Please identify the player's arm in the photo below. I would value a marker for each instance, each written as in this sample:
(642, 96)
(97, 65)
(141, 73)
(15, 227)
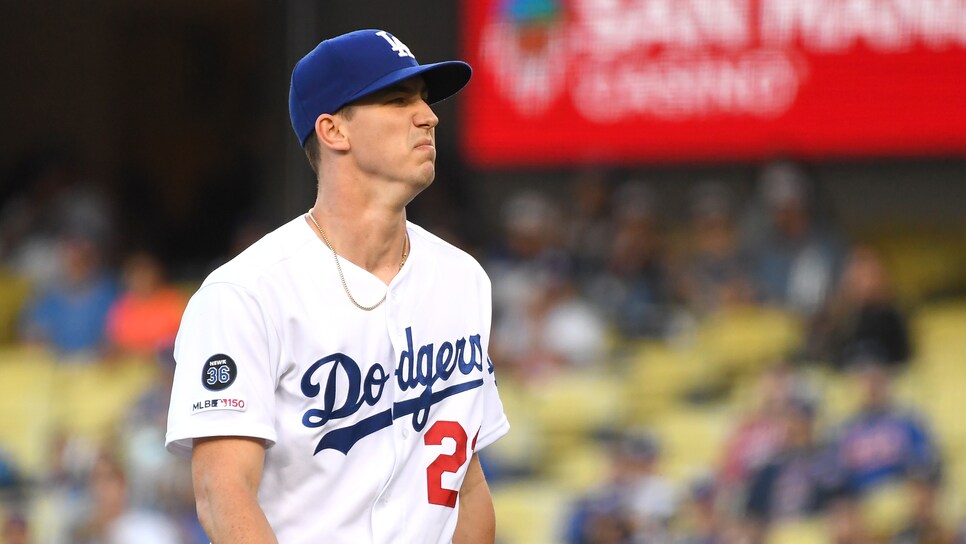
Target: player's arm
(226, 472)
(477, 521)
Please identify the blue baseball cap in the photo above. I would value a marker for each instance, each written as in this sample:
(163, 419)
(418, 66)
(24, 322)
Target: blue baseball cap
(346, 68)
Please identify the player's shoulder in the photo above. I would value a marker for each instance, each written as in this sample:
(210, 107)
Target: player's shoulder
(444, 252)
(259, 260)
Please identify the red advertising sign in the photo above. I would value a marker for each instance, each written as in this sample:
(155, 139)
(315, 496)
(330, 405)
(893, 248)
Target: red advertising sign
(632, 81)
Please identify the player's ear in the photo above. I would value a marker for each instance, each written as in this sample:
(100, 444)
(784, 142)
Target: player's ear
(330, 130)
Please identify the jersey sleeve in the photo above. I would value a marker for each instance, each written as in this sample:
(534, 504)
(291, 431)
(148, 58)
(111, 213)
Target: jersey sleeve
(495, 422)
(225, 374)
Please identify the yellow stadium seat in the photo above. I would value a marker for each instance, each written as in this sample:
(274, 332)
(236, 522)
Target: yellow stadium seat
(939, 332)
(530, 512)
(571, 405)
(658, 377)
(945, 410)
(922, 263)
(14, 292)
(953, 501)
(691, 440)
(523, 446)
(887, 508)
(28, 406)
(580, 468)
(95, 397)
(806, 531)
(841, 397)
(746, 339)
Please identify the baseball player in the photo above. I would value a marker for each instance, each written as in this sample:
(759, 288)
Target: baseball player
(332, 380)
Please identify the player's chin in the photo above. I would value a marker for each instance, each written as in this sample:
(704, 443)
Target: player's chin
(425, 174)
(423, 183)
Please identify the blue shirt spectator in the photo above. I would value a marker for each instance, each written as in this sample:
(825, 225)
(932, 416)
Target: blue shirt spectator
(882, 442)
(72, 321)
(70, 317)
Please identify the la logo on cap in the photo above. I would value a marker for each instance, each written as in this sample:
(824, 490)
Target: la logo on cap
(396, 44)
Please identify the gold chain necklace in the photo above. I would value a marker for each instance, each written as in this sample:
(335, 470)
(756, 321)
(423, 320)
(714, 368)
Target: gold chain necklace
(338, 266)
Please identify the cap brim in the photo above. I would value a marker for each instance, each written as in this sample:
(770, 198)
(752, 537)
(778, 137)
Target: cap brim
(443, 80)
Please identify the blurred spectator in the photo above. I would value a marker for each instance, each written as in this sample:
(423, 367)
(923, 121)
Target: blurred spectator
(714, 272)
(924, 525)
(144, 320)
(70, 317)
(862, 315)
(599, 520)
(163, 482)
(846, 524)
(702, 521)
(635, 505)
(758, 435)
(793, 485)
(590, 224)
(632, 289)
(9, 477)
(243, 235)
(882, 442)
(15, 530)
(555, 331)
(55, 200)
(797, 257)
(111, 519)
(541, 323)
(530, 252)
(65, 486)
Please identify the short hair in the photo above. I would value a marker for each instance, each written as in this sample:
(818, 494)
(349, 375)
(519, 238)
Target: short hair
(313, 151)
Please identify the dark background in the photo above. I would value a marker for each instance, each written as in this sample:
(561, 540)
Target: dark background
(178, 110)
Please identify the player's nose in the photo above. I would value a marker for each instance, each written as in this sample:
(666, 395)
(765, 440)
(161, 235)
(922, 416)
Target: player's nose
(424, 116)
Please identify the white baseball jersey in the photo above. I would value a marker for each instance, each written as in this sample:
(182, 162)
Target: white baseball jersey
(370, 418)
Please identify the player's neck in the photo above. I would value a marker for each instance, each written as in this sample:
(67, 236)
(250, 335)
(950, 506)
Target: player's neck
(373, 238)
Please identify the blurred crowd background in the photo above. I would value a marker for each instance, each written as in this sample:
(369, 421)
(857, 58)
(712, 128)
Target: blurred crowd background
(694, 352)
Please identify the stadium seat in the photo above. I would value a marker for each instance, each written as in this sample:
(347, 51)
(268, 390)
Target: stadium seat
(28, 404)
(921, 264)
(886, 509)
(953, 502)
(530, 512)
(840, 397)
(743, 340)
(94, 398)
(571, 406)
(14, 292)
(691, 440)
(521, 449)
(580, 468)
(946, 415)
(658, 377)
(806, 531)
(938, 331)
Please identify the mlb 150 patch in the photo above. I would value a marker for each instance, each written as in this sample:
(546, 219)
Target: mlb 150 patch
(218, 372)
(218, 404)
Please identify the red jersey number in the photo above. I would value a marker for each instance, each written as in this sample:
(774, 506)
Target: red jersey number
(447, 462)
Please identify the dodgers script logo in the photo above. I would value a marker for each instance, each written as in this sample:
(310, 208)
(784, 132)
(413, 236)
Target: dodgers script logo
(421, 367)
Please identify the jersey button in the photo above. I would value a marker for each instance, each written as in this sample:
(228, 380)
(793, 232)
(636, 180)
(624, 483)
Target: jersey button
(405, 433)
